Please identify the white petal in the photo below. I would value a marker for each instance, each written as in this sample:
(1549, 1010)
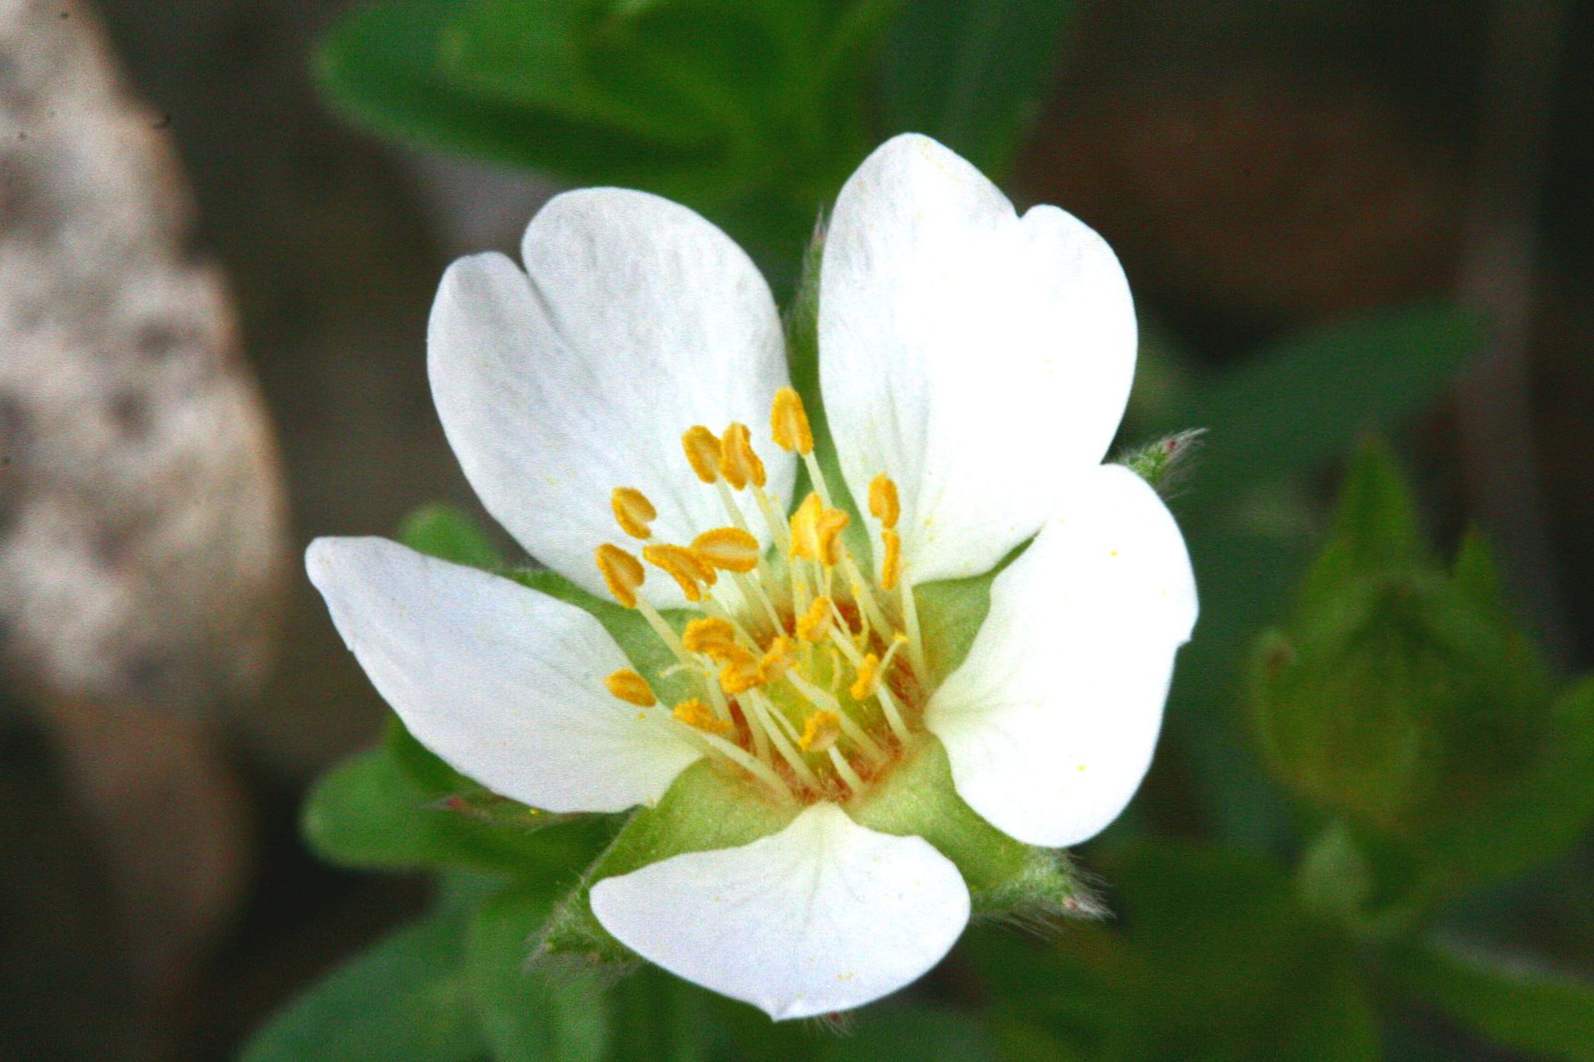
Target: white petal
(504, 683)
(1051, 720)
(638, 320)
(975, 356)
(823, 916)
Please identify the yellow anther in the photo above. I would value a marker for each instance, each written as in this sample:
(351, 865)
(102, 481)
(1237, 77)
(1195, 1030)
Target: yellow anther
(868, 674)
(681, 565)
(694, 713)
(740, 673)
(622, 573)
(891, 565)
(776, 659)
(805, 527)
(709, 636)
(789, 422)
(814, 625)
(884, 504)
(740, 463)
(729, 548)
(633, 512)
(820, 731)
(631, 687)
(831, 523)
(816, 531)
(703, 451)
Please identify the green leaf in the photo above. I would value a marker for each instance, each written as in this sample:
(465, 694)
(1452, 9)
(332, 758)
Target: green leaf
(1521, 1008)
(370, 812)
(1298, 404)
(406, 997)
(527, 1013)
(448, 533)
(972, 73)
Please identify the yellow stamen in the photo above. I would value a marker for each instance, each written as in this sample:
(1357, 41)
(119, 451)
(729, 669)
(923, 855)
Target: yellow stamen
(738, 460)
(820, 732)
(805, 527)
(695, 714)
(868, 674)
(729, 548)
(831, 523)
(884, 504)
(891, 566)
(679, 564)
(622, 573)
(631, 688)
(633, 512)
(708, 636)
(703, 452)
(816, 530)
(789, 422)
(777, 659)
(812, 625)
(740, 673)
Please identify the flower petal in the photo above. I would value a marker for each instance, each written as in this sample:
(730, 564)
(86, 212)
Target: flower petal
(1051, 720)
(504, 683)
(973, 355)
(823, 916)
(638, 320)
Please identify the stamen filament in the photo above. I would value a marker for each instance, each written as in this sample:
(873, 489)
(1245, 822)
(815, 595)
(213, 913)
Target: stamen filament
(757, 768)
(844, 770)
(762, 708)
(910, 620)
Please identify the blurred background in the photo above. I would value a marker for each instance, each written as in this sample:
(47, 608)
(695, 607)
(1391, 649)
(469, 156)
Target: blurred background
(221, 226)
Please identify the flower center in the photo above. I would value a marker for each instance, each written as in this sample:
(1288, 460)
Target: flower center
(808, 673)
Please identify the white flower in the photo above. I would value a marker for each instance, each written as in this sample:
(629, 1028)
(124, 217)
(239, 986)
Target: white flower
(974, 365)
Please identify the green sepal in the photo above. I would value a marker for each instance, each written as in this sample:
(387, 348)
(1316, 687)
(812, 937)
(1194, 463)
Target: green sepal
(707, 807)
(1005, 878)
(448, 533)
(371, 812)
(1166, 462)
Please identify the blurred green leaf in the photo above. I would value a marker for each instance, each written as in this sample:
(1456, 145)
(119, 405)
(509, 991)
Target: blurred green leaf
(406, 997)
(530, 1014)
(1375, 528)
(1538, 817)
(1525, 1009)
(448, 533)
(659, 1016)
(1297, 404)
(911, 1034)
(382, 65)
(1216, 960)
(1392, 696)
(972, 73)
(749, 112)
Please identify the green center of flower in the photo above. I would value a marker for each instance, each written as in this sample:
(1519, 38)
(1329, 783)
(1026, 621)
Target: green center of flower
(809, 673)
